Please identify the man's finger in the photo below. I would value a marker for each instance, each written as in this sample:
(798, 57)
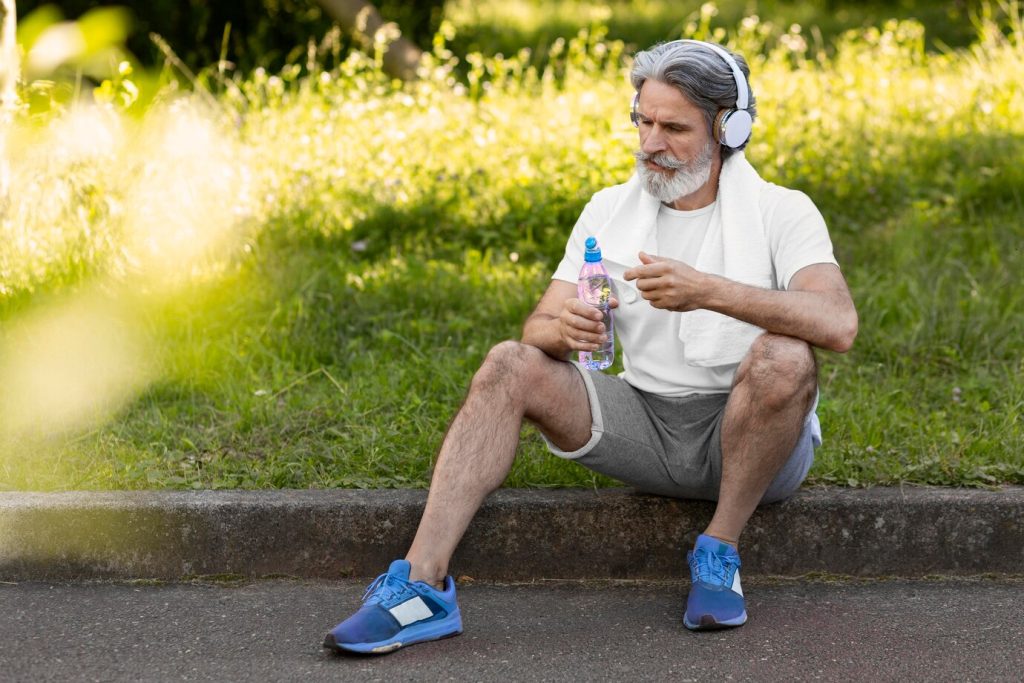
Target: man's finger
(636, 273)
(648, 259)
(587, 324)
(577, 307)
(587, 336)
(589, 312)
(646, 284)
(648, 270)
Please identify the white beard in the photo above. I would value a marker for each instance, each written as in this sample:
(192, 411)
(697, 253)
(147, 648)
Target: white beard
(686, 177)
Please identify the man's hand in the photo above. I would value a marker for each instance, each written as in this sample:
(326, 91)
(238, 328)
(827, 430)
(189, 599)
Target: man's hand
(668, 284)
(580, 325)
(562, 324)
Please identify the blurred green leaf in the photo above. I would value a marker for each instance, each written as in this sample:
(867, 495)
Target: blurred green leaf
(32, 25)
(104, 27)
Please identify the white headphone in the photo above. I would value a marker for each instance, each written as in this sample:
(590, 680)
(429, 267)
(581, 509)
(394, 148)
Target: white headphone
(731, 127)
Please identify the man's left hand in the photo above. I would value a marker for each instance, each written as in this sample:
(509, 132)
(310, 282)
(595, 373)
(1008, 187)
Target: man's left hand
(668, 284)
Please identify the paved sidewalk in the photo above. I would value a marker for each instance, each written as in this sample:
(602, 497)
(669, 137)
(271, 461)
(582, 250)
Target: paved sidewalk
(518, 534)
(969, 630)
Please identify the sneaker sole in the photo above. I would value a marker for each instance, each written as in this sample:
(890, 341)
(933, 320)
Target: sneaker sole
(374, 649)
(420, 634)
(709, 623)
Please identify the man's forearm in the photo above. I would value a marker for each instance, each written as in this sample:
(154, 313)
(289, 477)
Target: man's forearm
(826, 319)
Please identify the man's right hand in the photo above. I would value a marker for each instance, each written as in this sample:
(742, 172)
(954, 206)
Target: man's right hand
(580, 325)
(562, 324)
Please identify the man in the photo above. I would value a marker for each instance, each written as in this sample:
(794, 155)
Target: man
(724, 284)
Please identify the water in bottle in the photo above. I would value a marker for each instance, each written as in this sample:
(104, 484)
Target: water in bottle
(595, 288)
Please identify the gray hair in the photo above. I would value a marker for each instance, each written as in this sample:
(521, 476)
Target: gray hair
(700, 74)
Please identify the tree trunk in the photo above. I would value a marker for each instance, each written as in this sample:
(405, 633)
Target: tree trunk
(402, 56)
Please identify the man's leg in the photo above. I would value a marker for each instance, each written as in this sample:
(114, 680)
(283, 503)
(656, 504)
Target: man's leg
(514, 382)
(773, 390)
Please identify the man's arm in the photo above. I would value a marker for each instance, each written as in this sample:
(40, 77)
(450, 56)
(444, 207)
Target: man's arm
(561, 323)
(817, 307)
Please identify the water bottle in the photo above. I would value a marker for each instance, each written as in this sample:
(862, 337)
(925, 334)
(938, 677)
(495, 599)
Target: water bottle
(595, 288)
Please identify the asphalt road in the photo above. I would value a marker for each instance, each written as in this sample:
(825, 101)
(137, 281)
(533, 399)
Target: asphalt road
(937, 630)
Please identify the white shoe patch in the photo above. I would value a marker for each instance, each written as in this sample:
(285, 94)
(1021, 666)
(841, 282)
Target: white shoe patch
(411, 611)
(736, 587)
(386, 648)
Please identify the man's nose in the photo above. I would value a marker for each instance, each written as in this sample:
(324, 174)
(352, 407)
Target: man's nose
(653, 142)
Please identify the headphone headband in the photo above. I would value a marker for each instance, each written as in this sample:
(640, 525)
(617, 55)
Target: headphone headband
(742, 92)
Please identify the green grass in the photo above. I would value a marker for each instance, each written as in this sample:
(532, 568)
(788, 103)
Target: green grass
(340, 253)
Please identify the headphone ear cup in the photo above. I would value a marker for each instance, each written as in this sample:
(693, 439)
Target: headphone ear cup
(732, 127)
(632, 111)
(718, 125)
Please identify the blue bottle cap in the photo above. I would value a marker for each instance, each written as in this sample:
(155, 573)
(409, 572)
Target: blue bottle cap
(593, 253)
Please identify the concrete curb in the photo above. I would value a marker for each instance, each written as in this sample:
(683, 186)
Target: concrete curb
(518, 534)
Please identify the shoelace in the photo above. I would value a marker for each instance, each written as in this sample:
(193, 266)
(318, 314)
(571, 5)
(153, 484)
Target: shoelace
(711, 567)
(386, 588)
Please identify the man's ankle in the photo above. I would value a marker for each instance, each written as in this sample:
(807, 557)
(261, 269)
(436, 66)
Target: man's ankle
(724, 538)
(430, 578)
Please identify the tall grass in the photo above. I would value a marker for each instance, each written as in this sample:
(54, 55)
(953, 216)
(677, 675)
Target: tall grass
(331, 259)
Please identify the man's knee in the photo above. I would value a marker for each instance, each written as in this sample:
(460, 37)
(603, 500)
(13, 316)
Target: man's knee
(510, 365)
(781, 369)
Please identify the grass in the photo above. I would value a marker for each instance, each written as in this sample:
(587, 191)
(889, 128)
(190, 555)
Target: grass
(338, 254)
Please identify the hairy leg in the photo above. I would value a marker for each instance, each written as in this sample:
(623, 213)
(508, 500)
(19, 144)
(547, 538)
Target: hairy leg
(515, 381)
(773, 390)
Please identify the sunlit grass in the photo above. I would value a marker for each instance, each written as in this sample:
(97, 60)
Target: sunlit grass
(308, 270)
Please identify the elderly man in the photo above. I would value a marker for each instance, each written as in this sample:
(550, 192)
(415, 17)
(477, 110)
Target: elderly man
(724, 285)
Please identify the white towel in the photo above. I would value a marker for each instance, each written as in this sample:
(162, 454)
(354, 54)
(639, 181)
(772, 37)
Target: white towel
(734, 247)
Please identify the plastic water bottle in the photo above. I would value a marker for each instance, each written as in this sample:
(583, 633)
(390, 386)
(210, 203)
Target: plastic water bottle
(595, 288)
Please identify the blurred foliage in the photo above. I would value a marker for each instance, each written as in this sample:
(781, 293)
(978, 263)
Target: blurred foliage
(59, 53)
(320, 256)
(267, 33)
(273, 33)
(507, 26)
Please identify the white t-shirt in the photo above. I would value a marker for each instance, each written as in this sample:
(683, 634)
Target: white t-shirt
(654, 358)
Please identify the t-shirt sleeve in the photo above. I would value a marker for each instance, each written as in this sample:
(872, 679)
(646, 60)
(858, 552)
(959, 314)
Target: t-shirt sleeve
(569, 268)
(797, 234)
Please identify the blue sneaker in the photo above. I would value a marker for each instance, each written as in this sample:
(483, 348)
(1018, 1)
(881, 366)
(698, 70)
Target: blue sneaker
(398, 612)
(716, 597)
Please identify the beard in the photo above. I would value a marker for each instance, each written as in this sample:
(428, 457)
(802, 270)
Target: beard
(684, 178)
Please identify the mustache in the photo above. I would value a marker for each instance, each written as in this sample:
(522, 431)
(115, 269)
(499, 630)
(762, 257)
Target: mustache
(663, 159)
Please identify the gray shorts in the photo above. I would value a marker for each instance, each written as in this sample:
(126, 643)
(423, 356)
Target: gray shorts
(671, 446)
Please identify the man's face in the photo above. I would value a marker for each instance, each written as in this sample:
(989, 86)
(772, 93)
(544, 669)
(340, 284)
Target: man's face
(676, 149)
